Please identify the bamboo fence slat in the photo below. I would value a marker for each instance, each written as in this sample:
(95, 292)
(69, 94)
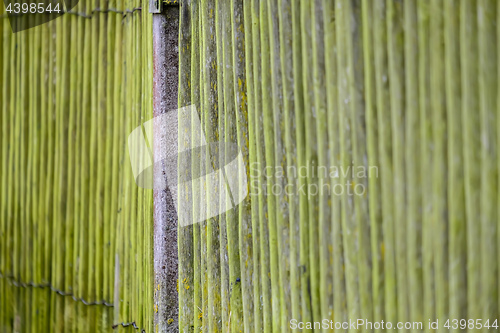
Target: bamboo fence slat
(75, 231)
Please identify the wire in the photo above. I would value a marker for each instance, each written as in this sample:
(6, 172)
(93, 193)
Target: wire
(128, 324)
(22, 284)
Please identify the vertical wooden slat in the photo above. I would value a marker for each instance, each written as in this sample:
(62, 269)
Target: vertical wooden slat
(269, 138)
(345, 100)
(373, 161)
(254, 278)
(385, 154)
(195, 100)
(311, 158)
(185, 233)
(439, 218)
(5, 94)
(210, 111)
(264, 265)
(289, 185)
(242, 128)
(471, 140)
(221, 38)
(488, 85)
(360, 170)
(331, 12)
(69, 237)
(280, 166)
(324, 190)
(456, 201)
(413, 148)
(395, 49)
(425, 115)
(252, 42)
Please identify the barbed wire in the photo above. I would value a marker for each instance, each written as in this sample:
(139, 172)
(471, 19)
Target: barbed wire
(133, 324)
(18, 283)
(21, 284)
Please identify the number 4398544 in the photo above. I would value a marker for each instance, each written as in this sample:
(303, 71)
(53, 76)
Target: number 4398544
(470, 324)
(40, 7)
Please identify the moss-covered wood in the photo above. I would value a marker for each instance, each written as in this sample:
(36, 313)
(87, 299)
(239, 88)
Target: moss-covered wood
(75, 228)
(398, 97)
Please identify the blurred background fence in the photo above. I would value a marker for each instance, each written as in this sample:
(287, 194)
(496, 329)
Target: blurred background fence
(76, 231)
(407, 90)
(369, 131)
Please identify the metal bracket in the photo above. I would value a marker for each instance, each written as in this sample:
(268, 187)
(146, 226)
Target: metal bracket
(156, 6)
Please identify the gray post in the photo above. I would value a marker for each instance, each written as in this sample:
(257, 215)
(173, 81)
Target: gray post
(165, 82)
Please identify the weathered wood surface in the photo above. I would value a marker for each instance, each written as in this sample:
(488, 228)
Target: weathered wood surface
(406, 90)
(72, 218)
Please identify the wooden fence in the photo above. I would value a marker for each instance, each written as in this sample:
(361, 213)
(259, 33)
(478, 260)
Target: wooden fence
(75, 230)
(407, 90)
(368, 130)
